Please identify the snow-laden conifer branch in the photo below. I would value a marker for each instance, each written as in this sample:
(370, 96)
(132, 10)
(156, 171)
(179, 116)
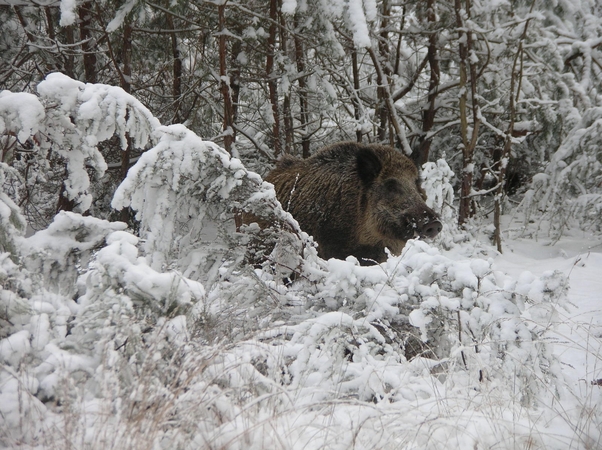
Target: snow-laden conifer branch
(186, 193)
(78, 117)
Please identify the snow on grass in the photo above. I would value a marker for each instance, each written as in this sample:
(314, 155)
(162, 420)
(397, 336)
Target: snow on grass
(333, 377)
(578, 333)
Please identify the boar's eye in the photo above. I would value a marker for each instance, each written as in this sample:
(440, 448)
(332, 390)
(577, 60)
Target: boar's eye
(392, 185)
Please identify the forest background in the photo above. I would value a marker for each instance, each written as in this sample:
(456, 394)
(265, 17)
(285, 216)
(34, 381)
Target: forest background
(507, 92)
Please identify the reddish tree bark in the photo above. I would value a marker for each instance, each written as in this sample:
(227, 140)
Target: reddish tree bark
(303, 101)
(228, 123)
(176, 89)
(88, 46)
(271, 76)
(467, 67)
(428, 115)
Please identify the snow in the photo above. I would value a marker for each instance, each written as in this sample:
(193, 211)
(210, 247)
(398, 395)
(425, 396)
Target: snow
(186, 335)
(307, 382)
(11, 219)
(20, 113)
(356, 13)
(14, 347)
(79, 116)
(289, 6)
(579, 332)
(122, 12)
(68, 15)
(357, 18)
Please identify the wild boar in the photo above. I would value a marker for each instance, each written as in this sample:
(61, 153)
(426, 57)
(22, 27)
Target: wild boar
(355, 199)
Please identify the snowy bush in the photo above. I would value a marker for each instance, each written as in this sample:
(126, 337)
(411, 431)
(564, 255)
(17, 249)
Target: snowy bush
(21, 115)
(58, 134)
(186, 193)
(79, 116)
(436, 178)
(569, 191)
(60, 252)
(12, 222)
(55, 349)
(143, 357)
(460, 313)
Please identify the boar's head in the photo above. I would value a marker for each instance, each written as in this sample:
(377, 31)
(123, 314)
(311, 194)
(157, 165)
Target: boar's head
(392, 202)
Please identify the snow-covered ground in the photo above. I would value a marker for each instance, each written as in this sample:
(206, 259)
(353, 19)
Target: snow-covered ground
(579, 257)
(290, 387)
(579, 330)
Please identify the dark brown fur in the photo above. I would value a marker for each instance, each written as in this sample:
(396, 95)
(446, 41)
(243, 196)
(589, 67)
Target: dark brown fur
(355, 199)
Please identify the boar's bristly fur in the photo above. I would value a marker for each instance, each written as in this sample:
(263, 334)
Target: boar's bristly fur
(355, 199)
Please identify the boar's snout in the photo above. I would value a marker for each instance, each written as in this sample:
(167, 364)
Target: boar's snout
(431, 229)
(425, 222)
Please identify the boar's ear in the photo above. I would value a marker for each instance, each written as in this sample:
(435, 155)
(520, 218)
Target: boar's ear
(368, 165)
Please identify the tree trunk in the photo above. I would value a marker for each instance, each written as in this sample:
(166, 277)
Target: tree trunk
(355, 98)
(69, 64)
(235, 82)
(63, 203)
(303, 102)
(468, 142)
(515, 83)
(176, 89)
(228, 128)
(271, 76)
(286, 106)
(126, 84)
(88, 46)
(428, 115)
(400, 135)
(383, 88)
